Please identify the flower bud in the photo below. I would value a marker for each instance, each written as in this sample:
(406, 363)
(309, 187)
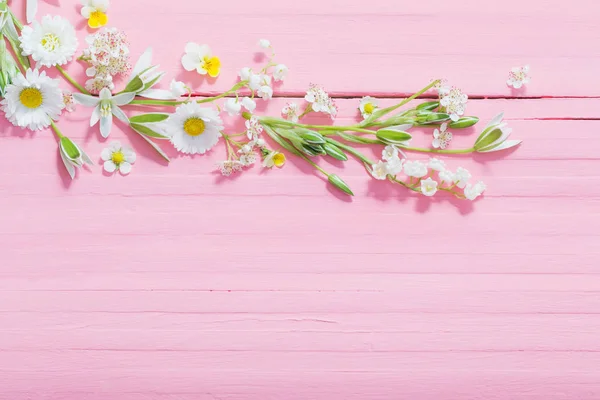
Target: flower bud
(394, 135)
(72, 155)
(464, 122)
(310, 136)
(428, 117)
(340, 184)
(334, 151)
(494, 137)
(8, 67)
(429, 106)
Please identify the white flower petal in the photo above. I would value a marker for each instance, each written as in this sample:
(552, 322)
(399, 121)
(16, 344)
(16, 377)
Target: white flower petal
(110, 166)
(125, 168)
(106, 125)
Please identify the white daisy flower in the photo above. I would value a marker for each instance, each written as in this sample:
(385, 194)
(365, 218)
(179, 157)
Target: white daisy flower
(51, 42)
(233, 106)
(106, 105)
(441, 137)
(518, 76)
(199, 57)
(264, 43)
(193, 129)
(117, 157)
(291, 112)
(429, 187)
(95, 12)
(367, 106)
(33, 101)
(280, 72)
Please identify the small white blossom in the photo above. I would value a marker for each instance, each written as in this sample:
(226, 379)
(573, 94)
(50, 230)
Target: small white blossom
(472, 192)
(389, 153)
(441, 137)
(429, 187)
(454, 101)
(254, 128)
(320, 101)
(395, 166)
(228, 167)
(437, 165)
(68, 101)
(291, 112)
(117, 157)
(415, 169)
(248, 159)
(178, 88)
(245, 74)
(462, 177)
(280, 72)
(380, 170)
(367, 106)
(518, 76)
(249, 104)
(265, 92)
(446, 176)
(233, 106)
(264, 43)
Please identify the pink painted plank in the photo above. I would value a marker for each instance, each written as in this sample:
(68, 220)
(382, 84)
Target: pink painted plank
(384, 46)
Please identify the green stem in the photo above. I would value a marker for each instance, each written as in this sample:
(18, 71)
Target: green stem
(56, 130)
(351, 150)
(174, 103)
(408, 100)
(398, 181)
(71, 80)
(439, 151)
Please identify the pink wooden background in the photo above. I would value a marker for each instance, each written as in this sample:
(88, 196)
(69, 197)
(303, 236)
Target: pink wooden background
(174, 283)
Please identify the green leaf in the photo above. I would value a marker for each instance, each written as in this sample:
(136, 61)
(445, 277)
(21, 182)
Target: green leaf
(134, 86)
(144, 130)
(430, 105)
(486, 140)
(148, 118)
(464, 122)
(358, 139)
(156, 148)
(69, 148)
(152, 82)
(340, 184)
(393, 136)
(335, 152)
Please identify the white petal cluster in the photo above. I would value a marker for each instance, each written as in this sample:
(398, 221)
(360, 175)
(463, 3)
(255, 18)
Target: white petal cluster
(441, 137)
(291, 112)
(108, 56)
(118, 158)
(320, 101)
(390, 164)
(518, 77)
(454, 101)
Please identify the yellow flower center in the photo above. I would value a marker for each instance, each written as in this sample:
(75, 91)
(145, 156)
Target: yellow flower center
(369, 108)
(194, 126)
(50, 42)
(279, 160)
(118, 157)
(31, 98)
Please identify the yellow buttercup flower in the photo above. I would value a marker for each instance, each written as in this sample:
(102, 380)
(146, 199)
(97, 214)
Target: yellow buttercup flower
(95, 12)
(274, 159)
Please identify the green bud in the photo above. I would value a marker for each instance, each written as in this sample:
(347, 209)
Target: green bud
(135, 85)
(464, 122)
(247, 115)
(340, 184)
(428, 117)
(489, 138)
(495, 137)
(69, 148)
(313, 149)
(394, 135)
(335, 152)
(429, 106)
(8, 67)
(310, 136)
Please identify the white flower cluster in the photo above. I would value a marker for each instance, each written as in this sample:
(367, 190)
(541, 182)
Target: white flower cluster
(320, 101)
(454, 101)
(518, 77)
(247, 152)
(391, 165)
(108, 54)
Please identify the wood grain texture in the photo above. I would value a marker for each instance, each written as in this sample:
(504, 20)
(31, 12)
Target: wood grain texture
(174, 283)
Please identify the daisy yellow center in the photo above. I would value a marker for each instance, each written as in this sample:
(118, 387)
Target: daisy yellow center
(50, 42)
(194, 127)
(118, 157)
(369, 108)
(31, 98)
